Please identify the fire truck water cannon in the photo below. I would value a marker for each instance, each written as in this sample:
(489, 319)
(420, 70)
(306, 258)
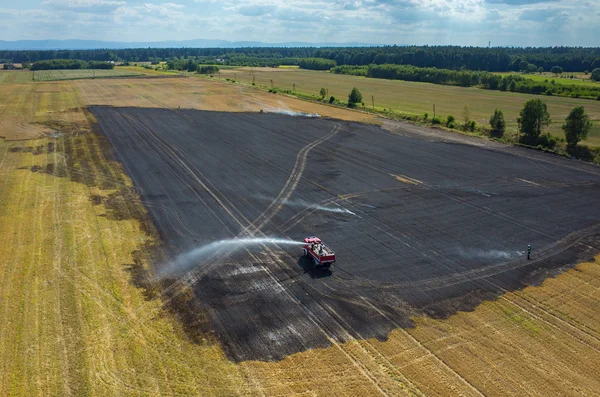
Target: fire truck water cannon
(318, 252)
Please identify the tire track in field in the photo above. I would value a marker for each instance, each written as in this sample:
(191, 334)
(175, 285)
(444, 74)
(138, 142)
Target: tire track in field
(288, 189)
(290, 185)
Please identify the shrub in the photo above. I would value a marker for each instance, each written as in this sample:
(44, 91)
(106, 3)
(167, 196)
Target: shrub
(354, 97)
(450, 119)
(497, 123)
(547, 140)
(425, 115)
(548, 92)
(471, 125)
(451, 124)
(331, 99)
(436, 120)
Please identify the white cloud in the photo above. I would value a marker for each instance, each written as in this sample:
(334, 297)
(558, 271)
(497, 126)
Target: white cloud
(463, 22)
(70, 4)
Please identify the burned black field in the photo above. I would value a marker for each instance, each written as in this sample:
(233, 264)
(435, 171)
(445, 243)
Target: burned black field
(420, 224)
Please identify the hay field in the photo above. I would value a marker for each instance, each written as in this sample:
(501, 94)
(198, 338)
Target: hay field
(51, 75)
(15, 76)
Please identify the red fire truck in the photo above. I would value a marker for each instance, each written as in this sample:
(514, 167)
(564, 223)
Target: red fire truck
(319, 253)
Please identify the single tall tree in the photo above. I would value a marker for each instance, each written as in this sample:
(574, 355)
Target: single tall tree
(466, 115)
(576, 127)
(497, 123)
(595, 74)
(533, 118)
(556, 70)
(354, 97)
(323, 92)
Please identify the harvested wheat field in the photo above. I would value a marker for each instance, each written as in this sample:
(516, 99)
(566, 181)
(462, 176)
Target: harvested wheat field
(108, 181)
(195, 93)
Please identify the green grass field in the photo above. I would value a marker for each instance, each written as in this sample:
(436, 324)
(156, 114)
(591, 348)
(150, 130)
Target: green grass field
(15, 76)
(580, 80)
(52, 75)
(418, 98)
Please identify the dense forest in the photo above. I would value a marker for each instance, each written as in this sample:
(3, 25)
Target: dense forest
(495, 59)
(466, 78)
(316, 63)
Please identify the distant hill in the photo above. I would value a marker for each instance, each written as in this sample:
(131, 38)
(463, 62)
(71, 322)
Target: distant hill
(197, 43)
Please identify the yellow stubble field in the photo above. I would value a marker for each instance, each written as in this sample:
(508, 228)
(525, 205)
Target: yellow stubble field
(75, 323)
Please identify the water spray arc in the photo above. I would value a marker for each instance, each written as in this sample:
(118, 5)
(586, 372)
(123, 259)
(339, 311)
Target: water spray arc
(298, 203)
(200, 255)
(291, 113)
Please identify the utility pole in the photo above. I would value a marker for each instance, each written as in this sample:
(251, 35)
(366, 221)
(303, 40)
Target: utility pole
(373, 101)
(235, 76)
(294, 88)
(434, 110)
(271, 83)
(253, 79)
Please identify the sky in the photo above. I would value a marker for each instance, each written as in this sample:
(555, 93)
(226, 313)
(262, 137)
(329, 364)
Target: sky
(420, 22)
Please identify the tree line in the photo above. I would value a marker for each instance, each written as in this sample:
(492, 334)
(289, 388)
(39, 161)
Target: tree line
(494, 59)
(316, 63)
(466, 78)
(532, 120)
(53, 64)
(191, 66)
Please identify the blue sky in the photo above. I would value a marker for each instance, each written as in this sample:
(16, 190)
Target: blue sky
(461, 22)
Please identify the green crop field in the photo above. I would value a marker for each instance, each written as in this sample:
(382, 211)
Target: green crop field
(15, 76)
(418, 98)
(579, 80)
(51, 75)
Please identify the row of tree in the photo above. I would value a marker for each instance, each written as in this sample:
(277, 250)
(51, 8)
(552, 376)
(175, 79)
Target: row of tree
(191, 66)
(532, 120)
(53, 64)
(534, 117)
(464, 78)
(495, 59)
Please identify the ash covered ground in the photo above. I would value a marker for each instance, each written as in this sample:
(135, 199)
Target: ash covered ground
(420, 224)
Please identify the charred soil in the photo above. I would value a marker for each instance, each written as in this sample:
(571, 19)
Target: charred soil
(420, 225)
